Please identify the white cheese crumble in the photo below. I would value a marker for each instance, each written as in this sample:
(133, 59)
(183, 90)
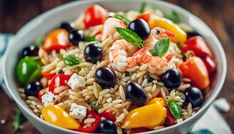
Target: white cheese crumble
(48, 98)
(78, 111)
(76, 81)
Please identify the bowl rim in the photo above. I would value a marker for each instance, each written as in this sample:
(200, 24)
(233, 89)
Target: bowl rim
(76, 3)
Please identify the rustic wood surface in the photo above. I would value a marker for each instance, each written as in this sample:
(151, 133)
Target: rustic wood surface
(218, 14)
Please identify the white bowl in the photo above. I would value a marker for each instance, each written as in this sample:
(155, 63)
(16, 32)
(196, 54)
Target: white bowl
(67, 12)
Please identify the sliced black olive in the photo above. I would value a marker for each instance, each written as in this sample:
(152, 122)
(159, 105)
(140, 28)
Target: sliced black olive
(171, 78)
(194, 96)
(93, 53)
(76, 36)
(135, 93)
(141, 27)
(32, 88)
(105, 77)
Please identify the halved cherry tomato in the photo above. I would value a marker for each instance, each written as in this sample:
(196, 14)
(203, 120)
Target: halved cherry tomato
(48, 75)
(108, 115)
(146, 16)
(170, 119)
(94, 15)
(94, 126)
(56, 40)
(58, 80)
(198, 45)
(210, 64)
(195, 70)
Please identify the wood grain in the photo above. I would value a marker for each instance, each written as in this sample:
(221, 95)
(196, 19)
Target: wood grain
(219, 15)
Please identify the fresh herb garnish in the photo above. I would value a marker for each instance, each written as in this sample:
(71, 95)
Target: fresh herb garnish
(175, 109)
(123, 18)
(71, 60)
(94, 104)
(173, 16)
(130, 36)
(89, 38)
(161, 47)
(38, 41)
(60, 56)
(18, 120)
(142, 8)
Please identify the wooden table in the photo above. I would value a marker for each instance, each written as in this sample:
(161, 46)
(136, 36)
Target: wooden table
(218, 14)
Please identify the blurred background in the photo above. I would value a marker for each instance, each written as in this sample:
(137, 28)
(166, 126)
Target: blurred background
(217, 14)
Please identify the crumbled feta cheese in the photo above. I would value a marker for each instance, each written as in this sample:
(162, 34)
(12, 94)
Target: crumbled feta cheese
(78, 111)
(76, 81)
(48, 98)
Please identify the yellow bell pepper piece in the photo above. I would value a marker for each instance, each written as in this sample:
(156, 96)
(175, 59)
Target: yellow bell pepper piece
(180, 35)
(148, 116)
(59, 117)
(157, 100)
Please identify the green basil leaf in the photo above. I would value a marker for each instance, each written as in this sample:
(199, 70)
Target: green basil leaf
(175, 109)
(130, 36)
(89, 39)
(71, 60)
(123, 18)
(161, 47)
(142, 8)
(173, 16)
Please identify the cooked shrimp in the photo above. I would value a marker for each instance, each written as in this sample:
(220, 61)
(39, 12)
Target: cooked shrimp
(110, 25)
(156, 65)
(120, 53)
(156, 34)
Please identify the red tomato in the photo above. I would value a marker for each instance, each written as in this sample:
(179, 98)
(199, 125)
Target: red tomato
(198, 45)
(145, 16)
(56, 40)
(108, 115)
(169, 57)
(195, 70)
(40, 94)
(94, 126)
(170, 120)
(94, 15)
(58, 80)
(210, 64)
(48, 75)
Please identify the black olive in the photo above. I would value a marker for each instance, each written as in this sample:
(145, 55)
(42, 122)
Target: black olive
(29, 51)
(93, 53)
(192, 33)
(105, 77)
(32, 89)
(171, 78)
(76, 36)
(194, 96)
(135, 93)
(67, 26)
(107, 126)
(141, 27)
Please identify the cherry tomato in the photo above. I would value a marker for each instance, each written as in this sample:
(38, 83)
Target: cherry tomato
(48, 75)
(198, 45)
(58, 80)
(210, 64)
(108, 115)
(40, 94)
(94, 15)
(94, 126)
(146, 16)
(195, 70)
(56, 40)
